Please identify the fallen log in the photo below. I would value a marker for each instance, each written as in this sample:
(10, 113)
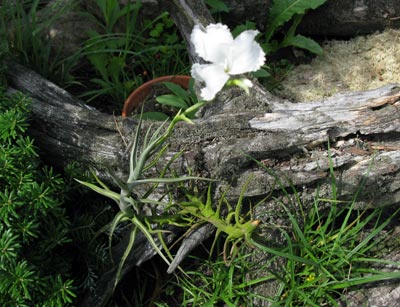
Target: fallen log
(290, 138)
(362, 128)
(359, 131)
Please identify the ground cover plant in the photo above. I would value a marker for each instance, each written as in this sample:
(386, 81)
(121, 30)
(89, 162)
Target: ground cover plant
(33, 222)
(211, 283)
(330, 251)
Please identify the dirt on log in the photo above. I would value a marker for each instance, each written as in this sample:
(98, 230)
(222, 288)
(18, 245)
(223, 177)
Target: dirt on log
(358, 131)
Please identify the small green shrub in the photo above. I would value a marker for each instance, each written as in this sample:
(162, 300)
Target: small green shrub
(33, 222)
(166, 53)
(217, 6)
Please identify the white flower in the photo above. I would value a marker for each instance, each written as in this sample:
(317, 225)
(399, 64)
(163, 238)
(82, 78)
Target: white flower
(227, 56)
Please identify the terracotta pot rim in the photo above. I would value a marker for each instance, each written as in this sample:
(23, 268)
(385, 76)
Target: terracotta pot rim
(139, 95)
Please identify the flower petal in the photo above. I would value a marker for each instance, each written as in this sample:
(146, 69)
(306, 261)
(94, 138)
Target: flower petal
(213, 44)
(213, 76)
(246, 54)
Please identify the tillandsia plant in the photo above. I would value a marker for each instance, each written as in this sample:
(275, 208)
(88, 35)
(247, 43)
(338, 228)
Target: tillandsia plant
(131, 201)
(229, 59)
(236, 228)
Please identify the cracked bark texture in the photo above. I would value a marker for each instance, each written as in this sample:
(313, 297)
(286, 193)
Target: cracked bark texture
(363, 129)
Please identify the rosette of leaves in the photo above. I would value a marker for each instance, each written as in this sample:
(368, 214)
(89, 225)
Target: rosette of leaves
(33, 223)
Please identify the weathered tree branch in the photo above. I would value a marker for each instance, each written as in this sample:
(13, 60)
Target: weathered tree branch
(363, 130)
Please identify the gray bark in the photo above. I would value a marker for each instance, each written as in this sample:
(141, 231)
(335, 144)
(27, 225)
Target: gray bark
(363, 129)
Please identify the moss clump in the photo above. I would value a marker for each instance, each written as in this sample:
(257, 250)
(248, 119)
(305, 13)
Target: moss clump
(363, 63)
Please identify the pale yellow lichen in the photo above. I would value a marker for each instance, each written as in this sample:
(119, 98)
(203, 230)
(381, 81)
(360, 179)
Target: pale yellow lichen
(365, 62)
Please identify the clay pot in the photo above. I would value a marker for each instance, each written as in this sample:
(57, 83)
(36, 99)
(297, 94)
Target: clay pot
(139, 95)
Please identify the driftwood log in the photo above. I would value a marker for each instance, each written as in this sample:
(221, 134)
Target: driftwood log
(359, 130)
